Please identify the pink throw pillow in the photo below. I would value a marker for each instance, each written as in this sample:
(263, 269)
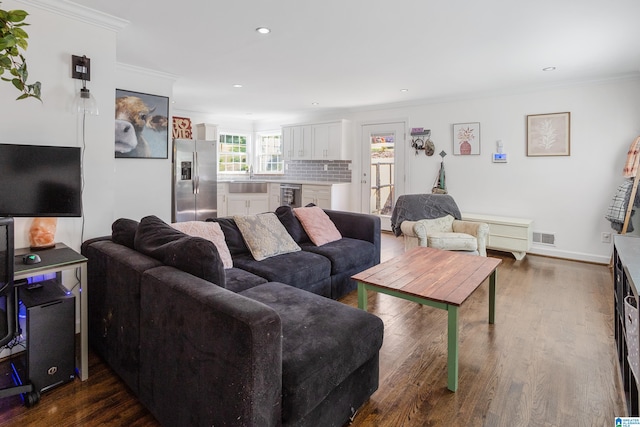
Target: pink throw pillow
(210, 231)
(318, 225)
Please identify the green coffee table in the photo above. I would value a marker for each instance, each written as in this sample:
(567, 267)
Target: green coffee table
(437, 278)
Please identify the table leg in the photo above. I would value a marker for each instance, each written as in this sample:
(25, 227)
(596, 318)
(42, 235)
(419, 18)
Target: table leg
(452, 348)
(492, 296)
(362, 296)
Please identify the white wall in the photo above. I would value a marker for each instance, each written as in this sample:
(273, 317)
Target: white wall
(567, 196)
(53, 38)
(142, 186)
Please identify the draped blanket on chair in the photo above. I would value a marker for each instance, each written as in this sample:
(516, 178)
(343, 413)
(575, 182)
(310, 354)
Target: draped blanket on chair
(414, 207)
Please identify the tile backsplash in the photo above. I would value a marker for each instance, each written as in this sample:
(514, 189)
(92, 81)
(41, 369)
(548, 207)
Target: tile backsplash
(314, 170)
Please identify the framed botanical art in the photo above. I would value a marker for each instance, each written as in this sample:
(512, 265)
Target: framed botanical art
(141, 129)
(466, 139)
(549, 134)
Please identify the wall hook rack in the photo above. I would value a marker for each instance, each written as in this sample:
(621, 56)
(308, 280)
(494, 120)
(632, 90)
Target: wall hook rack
(421, 140)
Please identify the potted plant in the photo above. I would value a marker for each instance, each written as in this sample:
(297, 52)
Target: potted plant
(13, 40)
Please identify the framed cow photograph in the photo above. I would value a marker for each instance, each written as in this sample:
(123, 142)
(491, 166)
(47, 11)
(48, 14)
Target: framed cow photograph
(141, 129)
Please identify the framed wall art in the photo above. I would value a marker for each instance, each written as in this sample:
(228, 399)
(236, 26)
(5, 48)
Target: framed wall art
(141, 129)
(466, 139)
(549, 134)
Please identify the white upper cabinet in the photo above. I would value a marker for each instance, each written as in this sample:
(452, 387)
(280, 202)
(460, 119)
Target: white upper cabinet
(319, 141)
(297, 142)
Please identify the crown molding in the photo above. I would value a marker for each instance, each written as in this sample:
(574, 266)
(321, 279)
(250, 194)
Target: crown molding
(146, 71)
(80, 13)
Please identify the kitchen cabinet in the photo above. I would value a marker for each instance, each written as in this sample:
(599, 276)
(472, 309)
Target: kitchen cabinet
(222, 200)
(331, 196)
(316, 141)
(328, 141)
(247, 204)
(296, 141)
(274, 196)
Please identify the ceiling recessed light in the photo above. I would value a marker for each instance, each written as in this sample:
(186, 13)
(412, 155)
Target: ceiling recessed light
(263, 30)
(237, 85)
(549, 69)
(315, 103)
(404, 90)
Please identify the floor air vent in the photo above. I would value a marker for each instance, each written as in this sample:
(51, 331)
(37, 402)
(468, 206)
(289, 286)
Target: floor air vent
(544, 238)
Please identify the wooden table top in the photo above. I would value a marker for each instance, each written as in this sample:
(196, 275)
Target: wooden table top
(434, 274)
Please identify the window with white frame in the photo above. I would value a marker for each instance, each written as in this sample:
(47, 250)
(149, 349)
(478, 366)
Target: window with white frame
(232, 153)
(269, 156)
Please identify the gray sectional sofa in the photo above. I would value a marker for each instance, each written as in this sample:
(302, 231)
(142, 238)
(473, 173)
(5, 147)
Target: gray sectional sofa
(259, 344)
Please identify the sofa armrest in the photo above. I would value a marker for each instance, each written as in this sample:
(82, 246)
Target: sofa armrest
(479, 230)
(356, 225)
(208, 356)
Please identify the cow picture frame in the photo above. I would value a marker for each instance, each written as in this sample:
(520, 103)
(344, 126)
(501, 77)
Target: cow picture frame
(141, 125)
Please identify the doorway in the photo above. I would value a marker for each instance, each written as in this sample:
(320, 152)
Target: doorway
(383, 169)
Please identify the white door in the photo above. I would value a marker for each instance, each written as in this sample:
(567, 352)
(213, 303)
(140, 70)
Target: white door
(383, 168)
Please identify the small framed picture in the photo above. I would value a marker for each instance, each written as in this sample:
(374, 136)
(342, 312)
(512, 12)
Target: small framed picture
(549, 134)
(466, 139)
(141, 125)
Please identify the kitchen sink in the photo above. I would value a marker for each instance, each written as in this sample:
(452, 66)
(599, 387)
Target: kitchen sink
(247, 187)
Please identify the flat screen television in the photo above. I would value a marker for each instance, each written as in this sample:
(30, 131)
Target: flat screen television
(40, 181)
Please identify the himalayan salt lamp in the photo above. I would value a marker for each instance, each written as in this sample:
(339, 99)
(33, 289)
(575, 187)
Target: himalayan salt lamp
(42, 233)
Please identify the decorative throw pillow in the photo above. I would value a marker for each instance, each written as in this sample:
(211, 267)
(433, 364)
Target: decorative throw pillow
(123, 232)
(210, 231)
(292, 224)
(318, 225)
(193, 255)
(265, 235)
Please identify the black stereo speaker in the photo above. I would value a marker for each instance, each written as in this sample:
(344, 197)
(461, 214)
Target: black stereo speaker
(50, 324)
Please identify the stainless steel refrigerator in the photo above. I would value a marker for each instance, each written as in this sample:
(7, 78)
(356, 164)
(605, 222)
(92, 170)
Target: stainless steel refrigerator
(194, 180)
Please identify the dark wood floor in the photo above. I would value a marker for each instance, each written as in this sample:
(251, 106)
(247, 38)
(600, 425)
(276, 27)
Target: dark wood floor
(549, 360)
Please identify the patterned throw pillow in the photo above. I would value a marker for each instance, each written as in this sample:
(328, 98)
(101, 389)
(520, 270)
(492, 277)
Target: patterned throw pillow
(318, 225)
(210, 231)
(265, 235)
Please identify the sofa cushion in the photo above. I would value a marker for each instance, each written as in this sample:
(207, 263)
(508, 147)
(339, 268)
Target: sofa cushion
(210, 231)
(345, 254)
(237, 280)
(232, 235)
(298, 269)
(318, 225)
(193, 255)
(123, 232)
(323, 342)
(452, 241)
(265, 235)
(292, 224)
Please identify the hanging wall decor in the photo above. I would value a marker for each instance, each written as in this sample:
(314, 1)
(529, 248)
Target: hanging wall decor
(549, 134)
(141, 129)
(466, 139)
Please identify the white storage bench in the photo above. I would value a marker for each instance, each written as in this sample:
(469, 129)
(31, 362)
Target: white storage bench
(506, 234)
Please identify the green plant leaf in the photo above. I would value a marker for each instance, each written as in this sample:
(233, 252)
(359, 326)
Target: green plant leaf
(18, 84)
(7, 41)
(16, 15)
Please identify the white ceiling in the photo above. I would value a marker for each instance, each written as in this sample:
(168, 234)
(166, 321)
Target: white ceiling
(346, 54)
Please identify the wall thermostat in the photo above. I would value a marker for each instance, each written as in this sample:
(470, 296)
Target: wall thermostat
(499, 157)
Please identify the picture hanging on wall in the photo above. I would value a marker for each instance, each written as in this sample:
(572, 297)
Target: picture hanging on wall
(466, 139)
(141, 129)
(548, 134)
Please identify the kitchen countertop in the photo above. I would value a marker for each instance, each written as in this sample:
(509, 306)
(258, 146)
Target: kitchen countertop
(279, 181)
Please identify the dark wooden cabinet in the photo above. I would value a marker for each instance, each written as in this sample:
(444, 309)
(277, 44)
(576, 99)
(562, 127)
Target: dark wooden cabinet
(626, 277)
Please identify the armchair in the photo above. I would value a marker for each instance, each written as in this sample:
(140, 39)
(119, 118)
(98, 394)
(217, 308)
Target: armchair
(434, 220)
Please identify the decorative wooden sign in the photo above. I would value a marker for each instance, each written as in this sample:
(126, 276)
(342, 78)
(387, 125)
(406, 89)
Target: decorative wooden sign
(182, 128)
